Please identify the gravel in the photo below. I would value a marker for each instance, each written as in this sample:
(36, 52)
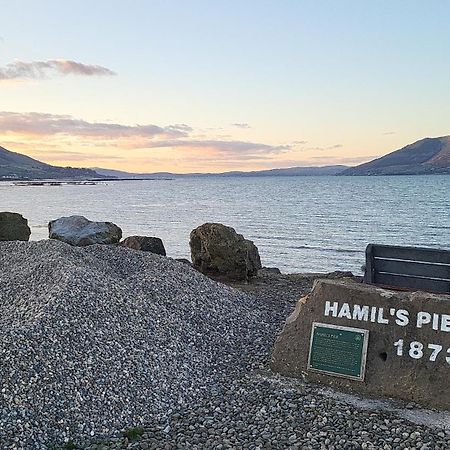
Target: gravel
(258, 412)
(96, 339)
(103, 339)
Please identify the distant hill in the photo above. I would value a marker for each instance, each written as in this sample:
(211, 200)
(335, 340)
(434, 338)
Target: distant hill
(16, 166)
(112, 173)
(427, 156)
(291, 171)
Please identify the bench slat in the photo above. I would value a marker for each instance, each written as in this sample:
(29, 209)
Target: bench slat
(411, 253)
(427, 270)
(415, 268)
(422, 284)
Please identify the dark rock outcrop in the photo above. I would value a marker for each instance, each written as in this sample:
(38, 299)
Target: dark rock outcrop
(145, 244)
(218, 250)
(13, 227)
(79, 231)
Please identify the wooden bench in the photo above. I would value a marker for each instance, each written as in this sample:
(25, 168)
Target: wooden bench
(409, 268)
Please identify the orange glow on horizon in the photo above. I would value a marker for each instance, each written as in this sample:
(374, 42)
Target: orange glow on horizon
(126, 154)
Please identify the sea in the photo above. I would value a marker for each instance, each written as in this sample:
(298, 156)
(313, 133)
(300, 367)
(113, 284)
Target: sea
(299, 224)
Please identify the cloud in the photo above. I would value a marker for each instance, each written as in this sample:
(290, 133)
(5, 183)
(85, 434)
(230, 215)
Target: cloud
(329, 147)
(226, 147)
(35, 125)
(43, 124)
(241, 125)
(73, 156)
(19, 70)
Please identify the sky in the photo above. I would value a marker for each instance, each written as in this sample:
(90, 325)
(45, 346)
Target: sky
(211, 86)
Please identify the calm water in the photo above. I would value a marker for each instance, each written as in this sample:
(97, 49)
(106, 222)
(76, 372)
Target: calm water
(300, 224)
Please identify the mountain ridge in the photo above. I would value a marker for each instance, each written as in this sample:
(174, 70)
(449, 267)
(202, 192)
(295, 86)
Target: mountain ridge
(289, 171)
(16, 166)
(425, 156)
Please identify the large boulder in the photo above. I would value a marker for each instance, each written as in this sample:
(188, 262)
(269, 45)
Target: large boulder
(79, 231)
(408, 352)
(145, 244)
(13, 227)
(218, 250)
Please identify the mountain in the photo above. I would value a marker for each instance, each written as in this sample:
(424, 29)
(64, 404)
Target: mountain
(291, 171)
(427, 156)
(16, 166)
(121, 174)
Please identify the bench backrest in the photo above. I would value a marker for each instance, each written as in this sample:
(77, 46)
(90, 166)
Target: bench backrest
(424, 269)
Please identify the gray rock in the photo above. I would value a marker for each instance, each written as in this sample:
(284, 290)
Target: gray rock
(218, 250)
(145, 244)
(13, 227)
(79, 231)
(339, 274)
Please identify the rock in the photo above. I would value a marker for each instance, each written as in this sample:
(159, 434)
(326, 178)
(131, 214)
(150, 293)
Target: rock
(339, 274)
(145, 244)
(409, 334)
(269, 271)
(218, 250)
(13, 227)
(184, 261)
(79, 231)
(253, 259)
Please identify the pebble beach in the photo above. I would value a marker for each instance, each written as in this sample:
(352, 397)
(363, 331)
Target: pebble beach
(261, 410)
(108, 348)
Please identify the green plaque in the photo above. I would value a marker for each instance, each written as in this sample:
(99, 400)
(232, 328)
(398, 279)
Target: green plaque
(338, 351)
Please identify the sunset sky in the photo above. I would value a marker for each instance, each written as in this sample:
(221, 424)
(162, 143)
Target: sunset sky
(188, 86)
